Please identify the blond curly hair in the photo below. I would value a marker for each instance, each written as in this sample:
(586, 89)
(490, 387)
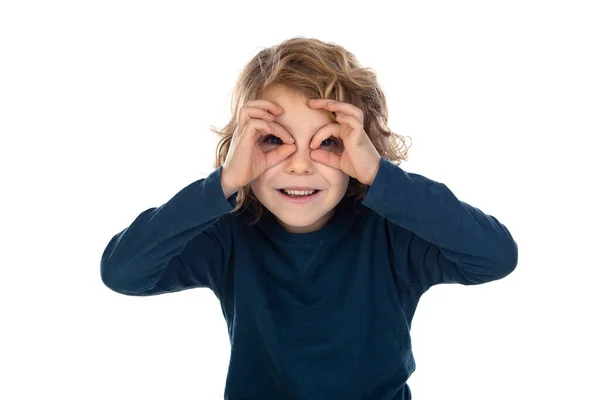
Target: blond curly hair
(315, 69)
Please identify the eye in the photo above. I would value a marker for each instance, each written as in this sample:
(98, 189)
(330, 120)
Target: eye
(333, 145)
(268, 139)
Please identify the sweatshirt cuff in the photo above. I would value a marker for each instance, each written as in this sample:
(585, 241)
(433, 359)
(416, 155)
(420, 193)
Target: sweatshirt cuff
(215, 189)
(377, 190)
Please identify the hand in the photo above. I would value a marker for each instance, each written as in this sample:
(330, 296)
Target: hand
(246, 160)
(360, 159)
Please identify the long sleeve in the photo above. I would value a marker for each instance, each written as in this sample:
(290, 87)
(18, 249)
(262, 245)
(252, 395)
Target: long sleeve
(437, 238)
(176, 246)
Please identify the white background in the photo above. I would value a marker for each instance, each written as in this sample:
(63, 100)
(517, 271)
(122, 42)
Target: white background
(105, 110)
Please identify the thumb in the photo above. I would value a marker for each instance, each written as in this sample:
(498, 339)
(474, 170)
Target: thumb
(324, 157)
(279, 154)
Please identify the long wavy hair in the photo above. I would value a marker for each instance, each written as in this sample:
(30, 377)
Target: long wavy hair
(315, 69)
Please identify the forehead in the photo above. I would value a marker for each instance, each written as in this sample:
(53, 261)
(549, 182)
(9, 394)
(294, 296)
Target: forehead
(279, 93)
(297, 115)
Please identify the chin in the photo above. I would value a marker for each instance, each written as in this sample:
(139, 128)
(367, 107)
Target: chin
(299, 222)
(300, 216)
(306, 222)
(300, 227)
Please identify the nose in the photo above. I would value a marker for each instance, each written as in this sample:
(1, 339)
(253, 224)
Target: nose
(299, 162)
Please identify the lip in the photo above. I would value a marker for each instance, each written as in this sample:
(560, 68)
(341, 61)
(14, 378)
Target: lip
(299, 188)
(300, 200)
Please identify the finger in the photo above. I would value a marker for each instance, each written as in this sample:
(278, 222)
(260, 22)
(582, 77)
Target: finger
(265, 105)
(249, 113)
(258, 109)
(336, 106)
(282, 133)
(350, 120)
(279, 154)
(327, 158)
(331, 129)
(257, 127)
(319, 103)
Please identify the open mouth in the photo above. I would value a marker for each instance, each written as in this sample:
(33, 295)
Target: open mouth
(298, 196)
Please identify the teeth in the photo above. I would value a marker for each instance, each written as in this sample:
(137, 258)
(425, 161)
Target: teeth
(299, 192)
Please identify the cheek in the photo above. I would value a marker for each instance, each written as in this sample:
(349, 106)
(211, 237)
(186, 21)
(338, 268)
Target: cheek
(256, 187)
(335, 177)
(260, 184)
(345, 181)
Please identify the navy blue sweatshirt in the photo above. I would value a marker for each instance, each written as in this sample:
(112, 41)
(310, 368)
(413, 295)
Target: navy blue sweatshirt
(319, 315)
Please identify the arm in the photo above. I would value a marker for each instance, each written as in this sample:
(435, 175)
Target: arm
(176, 246)
(437, 238)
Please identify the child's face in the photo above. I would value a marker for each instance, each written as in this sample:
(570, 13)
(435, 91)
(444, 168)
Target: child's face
(299, 169)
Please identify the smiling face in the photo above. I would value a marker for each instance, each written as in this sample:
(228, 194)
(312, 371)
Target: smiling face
(299, 169)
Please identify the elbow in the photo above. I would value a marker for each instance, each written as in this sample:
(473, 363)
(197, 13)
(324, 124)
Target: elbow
(509, 259)
(113, 278)
(109, 278)
(119, 279)
(110, 267)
